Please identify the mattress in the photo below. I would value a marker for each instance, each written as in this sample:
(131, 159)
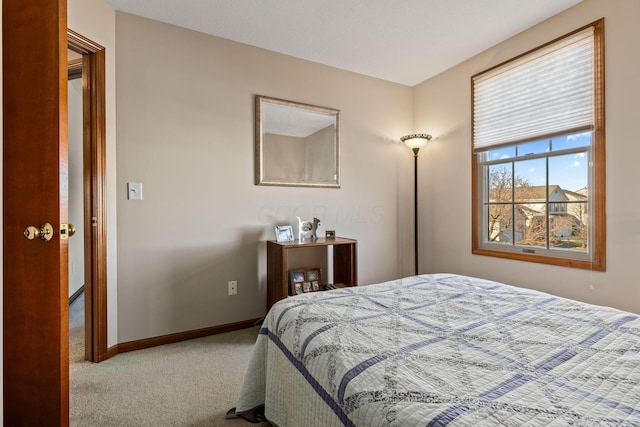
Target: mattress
(444, 350)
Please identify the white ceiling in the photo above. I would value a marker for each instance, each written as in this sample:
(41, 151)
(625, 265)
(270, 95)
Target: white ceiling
(403, 41)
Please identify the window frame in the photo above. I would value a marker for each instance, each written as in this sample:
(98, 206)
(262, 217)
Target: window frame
(597, 185)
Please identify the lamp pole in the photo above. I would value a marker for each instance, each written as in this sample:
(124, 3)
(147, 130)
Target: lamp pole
(415, 207)
(415, 142)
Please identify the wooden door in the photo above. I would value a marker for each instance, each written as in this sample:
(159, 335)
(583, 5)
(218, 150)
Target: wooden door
(35, 300)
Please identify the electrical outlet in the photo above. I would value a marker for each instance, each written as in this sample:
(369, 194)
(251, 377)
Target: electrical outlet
(233, 287)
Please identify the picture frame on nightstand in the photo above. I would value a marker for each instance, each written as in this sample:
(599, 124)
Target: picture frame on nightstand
(284, 233)
(296, 279)
(314, 277)
(297, 289)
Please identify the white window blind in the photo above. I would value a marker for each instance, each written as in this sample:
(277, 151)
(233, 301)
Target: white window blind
(547, 92)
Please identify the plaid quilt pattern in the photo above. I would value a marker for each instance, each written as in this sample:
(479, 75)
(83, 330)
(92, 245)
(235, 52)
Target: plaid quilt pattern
(444, 350)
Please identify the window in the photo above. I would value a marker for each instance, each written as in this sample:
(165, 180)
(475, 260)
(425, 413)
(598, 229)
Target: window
(539, 154)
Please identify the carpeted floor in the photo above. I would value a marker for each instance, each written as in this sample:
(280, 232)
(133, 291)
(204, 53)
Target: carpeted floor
(76, 333)
(191, 383)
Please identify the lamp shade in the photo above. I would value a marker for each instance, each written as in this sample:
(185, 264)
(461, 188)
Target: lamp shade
(417, 140)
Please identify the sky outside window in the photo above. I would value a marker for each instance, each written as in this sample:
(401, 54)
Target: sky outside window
(568, 171)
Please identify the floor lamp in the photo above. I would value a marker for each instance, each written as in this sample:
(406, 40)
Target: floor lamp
(415, 142)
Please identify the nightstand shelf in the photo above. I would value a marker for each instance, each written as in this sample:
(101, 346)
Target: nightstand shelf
(345, 263)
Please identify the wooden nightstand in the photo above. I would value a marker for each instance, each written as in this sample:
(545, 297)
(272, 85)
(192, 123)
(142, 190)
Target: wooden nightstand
(345, 263)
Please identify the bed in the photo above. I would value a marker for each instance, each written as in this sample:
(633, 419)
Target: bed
(443, 350)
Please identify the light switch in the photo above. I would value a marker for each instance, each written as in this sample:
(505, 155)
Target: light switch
(134, 190)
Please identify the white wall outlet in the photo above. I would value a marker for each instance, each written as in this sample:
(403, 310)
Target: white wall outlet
(233, 287)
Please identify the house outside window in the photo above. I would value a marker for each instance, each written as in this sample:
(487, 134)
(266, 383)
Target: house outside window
(538, 154)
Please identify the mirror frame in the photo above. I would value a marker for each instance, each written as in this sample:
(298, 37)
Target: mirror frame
(260, 100)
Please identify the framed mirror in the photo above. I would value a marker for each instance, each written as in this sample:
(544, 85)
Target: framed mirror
(296, 144)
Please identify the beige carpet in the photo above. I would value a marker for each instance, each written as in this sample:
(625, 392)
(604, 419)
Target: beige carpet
(76, 333)
(192, 383)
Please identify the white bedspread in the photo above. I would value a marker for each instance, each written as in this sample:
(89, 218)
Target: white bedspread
(444, 350)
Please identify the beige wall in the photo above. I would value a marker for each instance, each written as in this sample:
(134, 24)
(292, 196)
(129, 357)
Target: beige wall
(283, 157)
(320, 155)
(185, 130)
(76, 181)
(443, 106)
(300, 159)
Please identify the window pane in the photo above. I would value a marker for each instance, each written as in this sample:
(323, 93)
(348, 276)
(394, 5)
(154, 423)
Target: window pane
(501, 153)
(500, 220)
(530, 180)
(571, 141)
(533, 148)
(566, 230)
(500, 183)
(571, 172)
(580, 210)
(531, 225)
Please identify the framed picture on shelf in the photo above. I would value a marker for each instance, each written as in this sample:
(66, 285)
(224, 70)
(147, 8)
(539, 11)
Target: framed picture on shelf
(330, 234)
(297, 276)
(296, 279)
(314, 276)
(284, 233)
(306, 287)
(297, 288)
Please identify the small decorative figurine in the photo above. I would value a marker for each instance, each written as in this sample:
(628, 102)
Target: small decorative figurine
(307, 229)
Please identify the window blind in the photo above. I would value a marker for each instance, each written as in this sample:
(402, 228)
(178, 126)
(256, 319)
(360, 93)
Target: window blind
(547, 92)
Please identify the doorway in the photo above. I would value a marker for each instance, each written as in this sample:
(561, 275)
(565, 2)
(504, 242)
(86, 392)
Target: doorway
(90, 65)
(76, 211)
(35, 268)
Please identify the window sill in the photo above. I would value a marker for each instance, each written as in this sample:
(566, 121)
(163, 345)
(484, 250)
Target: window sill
(595, 265)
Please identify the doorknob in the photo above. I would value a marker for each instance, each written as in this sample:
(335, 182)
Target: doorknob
(31, 232)
(45, 232)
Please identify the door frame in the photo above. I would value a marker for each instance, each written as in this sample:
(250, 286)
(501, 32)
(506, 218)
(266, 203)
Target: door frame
(94, 171)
